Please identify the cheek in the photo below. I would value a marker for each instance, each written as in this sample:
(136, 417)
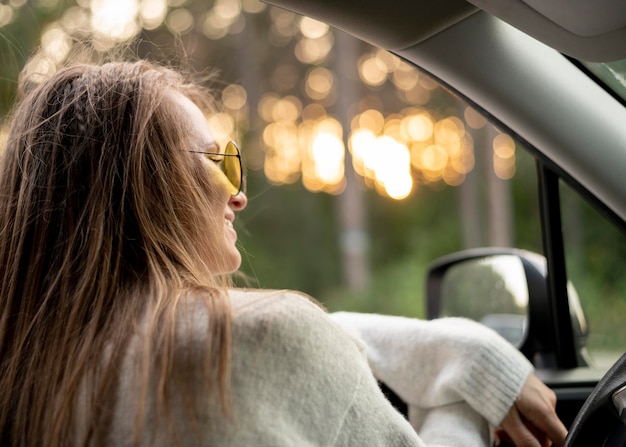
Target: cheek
(218, 179)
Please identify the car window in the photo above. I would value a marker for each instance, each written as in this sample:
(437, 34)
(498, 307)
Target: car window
(494, 202)
(595, 250)
(612, 74)
(355, 184)
(471, 185)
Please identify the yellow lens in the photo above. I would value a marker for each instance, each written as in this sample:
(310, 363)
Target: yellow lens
(232, 166)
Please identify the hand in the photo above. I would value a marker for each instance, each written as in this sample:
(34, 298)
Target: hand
(532, 420)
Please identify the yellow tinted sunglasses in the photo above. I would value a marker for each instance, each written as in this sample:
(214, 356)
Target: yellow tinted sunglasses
(230, 164)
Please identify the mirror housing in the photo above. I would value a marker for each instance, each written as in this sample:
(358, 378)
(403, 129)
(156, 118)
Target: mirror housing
(514, 301)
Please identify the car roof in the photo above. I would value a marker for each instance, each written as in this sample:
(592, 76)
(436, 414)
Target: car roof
(534, 90)
(593, 30)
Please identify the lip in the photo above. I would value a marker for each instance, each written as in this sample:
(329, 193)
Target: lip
(228, 224)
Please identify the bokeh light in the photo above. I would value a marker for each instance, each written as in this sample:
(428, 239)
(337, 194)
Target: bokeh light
(152, 13)
(55, 43)
(234, 97)
(504, 156)
(300, 140)
(312, 29)
(372, 70)
(6, 14)
(114, 20)
(319, 83)
(180, 21)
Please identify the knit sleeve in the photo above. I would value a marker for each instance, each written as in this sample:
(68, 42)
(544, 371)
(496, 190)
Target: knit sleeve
(440, 362)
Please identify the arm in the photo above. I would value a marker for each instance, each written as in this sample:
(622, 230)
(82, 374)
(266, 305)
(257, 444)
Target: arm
(454, 366)
(439, 362)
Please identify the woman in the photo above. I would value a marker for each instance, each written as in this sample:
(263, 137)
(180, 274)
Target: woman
(117, 324)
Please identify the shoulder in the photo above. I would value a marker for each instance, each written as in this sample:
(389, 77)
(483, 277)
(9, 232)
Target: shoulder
(245, 301)
(247, 308)
(267, 319)
(285, 318)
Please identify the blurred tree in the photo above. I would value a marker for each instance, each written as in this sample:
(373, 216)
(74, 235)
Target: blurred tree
(307, 102)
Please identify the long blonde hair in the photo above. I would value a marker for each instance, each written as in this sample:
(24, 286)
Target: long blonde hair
(104, 222)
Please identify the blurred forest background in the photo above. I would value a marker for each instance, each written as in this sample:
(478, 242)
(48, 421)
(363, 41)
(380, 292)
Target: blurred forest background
(361, 169)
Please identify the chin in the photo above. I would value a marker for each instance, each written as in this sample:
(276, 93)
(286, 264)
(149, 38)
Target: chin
(232, 262)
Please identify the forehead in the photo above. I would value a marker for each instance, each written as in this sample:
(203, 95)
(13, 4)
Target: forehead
(192, 116)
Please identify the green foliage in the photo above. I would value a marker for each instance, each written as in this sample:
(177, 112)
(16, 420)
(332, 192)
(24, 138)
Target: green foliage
(397, 289)
(289, 238)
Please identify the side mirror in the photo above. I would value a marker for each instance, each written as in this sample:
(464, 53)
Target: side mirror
(505, 289)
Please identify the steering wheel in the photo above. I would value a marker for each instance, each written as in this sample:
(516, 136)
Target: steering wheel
(601, 421)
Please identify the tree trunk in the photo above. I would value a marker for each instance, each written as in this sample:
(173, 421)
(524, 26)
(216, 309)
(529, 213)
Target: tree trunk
(350, 204)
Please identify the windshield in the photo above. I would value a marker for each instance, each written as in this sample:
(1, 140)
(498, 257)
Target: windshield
(613, 74)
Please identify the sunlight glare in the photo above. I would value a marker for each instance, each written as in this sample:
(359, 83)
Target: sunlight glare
(400, 187)
(328, 154)
(234, 97)
(314, 51)
(152, 13)
(319, 83)
(39, 68)
(56, 43)
(361, 142)
(6, 14)
(253, 6)
(281, 167)
(115, 19)
(76, 19)
(229, 10)
(393, 169)
(504, 146)
(474, 119)
(180, 21)
(504, 167)
(371, 120)
(463, 162)
(418, 127)
(434, 158)
(314, 112)
(287, 109)
(390, 61)
(277, 134)
(222, 126)
(405, 76)
(312, 28)
(266, 106)
(504, 156)
(213, 26)
(372, 70)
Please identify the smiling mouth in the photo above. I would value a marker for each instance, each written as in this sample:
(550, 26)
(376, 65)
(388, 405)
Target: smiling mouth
(228, 223)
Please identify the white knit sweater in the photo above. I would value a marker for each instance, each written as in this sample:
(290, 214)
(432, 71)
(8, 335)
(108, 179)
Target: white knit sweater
(457, 376)
(299, 379)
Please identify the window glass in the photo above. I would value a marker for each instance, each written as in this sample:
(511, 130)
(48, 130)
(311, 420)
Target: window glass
(613, 74)
(595, 250)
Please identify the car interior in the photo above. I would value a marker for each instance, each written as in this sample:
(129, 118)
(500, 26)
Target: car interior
(552, 73)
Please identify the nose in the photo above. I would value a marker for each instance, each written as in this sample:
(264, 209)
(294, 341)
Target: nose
(238, 201)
